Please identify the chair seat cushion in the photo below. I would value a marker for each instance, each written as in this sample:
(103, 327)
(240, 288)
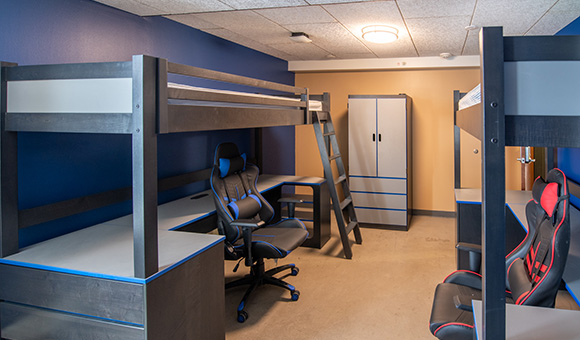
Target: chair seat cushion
(277, 240)
(448, 321)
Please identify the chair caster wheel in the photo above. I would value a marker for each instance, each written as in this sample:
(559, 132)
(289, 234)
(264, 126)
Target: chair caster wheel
(295, 295)
(295, 271)
(242, 316)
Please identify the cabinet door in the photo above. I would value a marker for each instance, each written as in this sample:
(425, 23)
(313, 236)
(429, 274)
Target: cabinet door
(392, 130)
(362, 148)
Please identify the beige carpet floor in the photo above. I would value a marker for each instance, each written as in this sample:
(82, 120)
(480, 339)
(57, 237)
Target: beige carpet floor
(384, 292)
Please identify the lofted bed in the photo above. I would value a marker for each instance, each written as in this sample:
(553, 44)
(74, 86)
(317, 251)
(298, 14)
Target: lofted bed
(146, 270)
(527, 97)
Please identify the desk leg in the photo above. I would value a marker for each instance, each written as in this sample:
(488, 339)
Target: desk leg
(321, 217)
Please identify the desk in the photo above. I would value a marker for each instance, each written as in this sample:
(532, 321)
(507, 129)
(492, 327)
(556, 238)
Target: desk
(319, 233)
(527, 322)
(468, 221)
(81, 286)
(198, 214)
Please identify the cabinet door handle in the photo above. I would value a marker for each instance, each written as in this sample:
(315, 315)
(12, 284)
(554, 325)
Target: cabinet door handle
(373, 137)
(379, 137)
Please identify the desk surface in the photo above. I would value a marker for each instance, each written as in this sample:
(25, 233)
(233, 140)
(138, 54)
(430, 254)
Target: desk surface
(106, 249)
(474, 196)
(527, 322)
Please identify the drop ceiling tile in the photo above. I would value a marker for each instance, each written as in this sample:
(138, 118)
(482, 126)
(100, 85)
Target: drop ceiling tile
(439, 8)
(332, 37)
(393, 50)
(433, 36)
(255, 4)
(558, 17)
(353, 56)
(247, 42)
(366, 13)
(192, 20)
(248, 24)
(186, 6)
(297, 15)
(302, 51)
(472, 43)
(516, 16)
(323, 2)
(131, 6)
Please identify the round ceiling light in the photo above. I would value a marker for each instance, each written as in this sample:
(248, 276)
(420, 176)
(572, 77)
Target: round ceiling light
(380, 34)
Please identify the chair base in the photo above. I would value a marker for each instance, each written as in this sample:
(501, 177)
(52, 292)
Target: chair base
(259, 276)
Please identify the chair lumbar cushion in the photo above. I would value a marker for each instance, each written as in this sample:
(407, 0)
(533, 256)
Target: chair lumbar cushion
(246, 207)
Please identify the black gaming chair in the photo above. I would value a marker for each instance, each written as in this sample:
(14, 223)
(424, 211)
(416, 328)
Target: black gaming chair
(534, 268)
(244, 218)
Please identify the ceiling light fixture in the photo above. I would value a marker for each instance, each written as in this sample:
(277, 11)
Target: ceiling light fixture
(300, 37)
(380, 34)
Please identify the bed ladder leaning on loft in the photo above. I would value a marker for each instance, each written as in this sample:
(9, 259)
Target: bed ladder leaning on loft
(343, 210)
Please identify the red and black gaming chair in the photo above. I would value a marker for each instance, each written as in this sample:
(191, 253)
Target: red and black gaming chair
(534, 268)
(244, 218)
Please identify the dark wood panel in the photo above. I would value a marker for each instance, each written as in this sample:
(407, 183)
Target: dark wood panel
(24, 322)
(117, 123)
(71, 71)
(183, 118)
(545, 131)
(188, 302)
(103, 298)
(541, 48)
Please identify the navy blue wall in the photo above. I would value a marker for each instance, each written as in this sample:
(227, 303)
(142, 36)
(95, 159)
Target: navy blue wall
(569, 159)
(53, 167)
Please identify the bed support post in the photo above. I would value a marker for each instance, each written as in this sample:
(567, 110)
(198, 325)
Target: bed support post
(8, 175)
(456, 140)
(144, 151)
(493, 182)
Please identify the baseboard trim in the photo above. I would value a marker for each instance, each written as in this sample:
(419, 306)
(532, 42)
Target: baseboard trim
(434, 213)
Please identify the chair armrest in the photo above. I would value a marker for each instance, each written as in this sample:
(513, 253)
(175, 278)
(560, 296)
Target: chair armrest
(251, 224)
(248, 226)
(291, 201)
(463, 303)
(471, 247)
(474, 254)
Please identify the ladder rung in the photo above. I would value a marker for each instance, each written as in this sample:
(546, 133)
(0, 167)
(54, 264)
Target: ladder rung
(340, 179)
(351, 226)
(345, 203)
(329, 134)
(335, 156)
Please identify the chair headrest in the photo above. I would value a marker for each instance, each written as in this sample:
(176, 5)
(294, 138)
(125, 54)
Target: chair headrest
(548, 193)
(229, 160)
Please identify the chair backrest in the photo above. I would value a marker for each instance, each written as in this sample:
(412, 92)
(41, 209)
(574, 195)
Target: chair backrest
(233, 182)
(536, 266)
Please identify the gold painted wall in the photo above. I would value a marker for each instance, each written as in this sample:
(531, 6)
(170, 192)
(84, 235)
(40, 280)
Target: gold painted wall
(432, 125)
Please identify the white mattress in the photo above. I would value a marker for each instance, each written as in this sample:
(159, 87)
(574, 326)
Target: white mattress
(471, 98)
(313, 105)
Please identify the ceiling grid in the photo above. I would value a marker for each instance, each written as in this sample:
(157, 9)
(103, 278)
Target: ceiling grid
(426, 28)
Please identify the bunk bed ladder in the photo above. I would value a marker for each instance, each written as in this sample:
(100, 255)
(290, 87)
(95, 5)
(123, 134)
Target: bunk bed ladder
(343, 210)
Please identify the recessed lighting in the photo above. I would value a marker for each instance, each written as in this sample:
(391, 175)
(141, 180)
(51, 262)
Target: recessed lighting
(300, 37)
(380, 34)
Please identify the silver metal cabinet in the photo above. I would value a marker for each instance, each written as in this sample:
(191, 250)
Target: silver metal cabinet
(380, 158)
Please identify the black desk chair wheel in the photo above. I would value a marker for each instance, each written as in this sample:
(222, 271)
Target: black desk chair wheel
(244, 218)
(534, 268)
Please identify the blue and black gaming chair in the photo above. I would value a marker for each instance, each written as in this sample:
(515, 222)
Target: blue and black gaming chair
(244, 217)
(534, 268)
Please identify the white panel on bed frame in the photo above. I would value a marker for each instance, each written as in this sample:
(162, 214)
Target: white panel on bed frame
(542, 88)
(107, 95)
